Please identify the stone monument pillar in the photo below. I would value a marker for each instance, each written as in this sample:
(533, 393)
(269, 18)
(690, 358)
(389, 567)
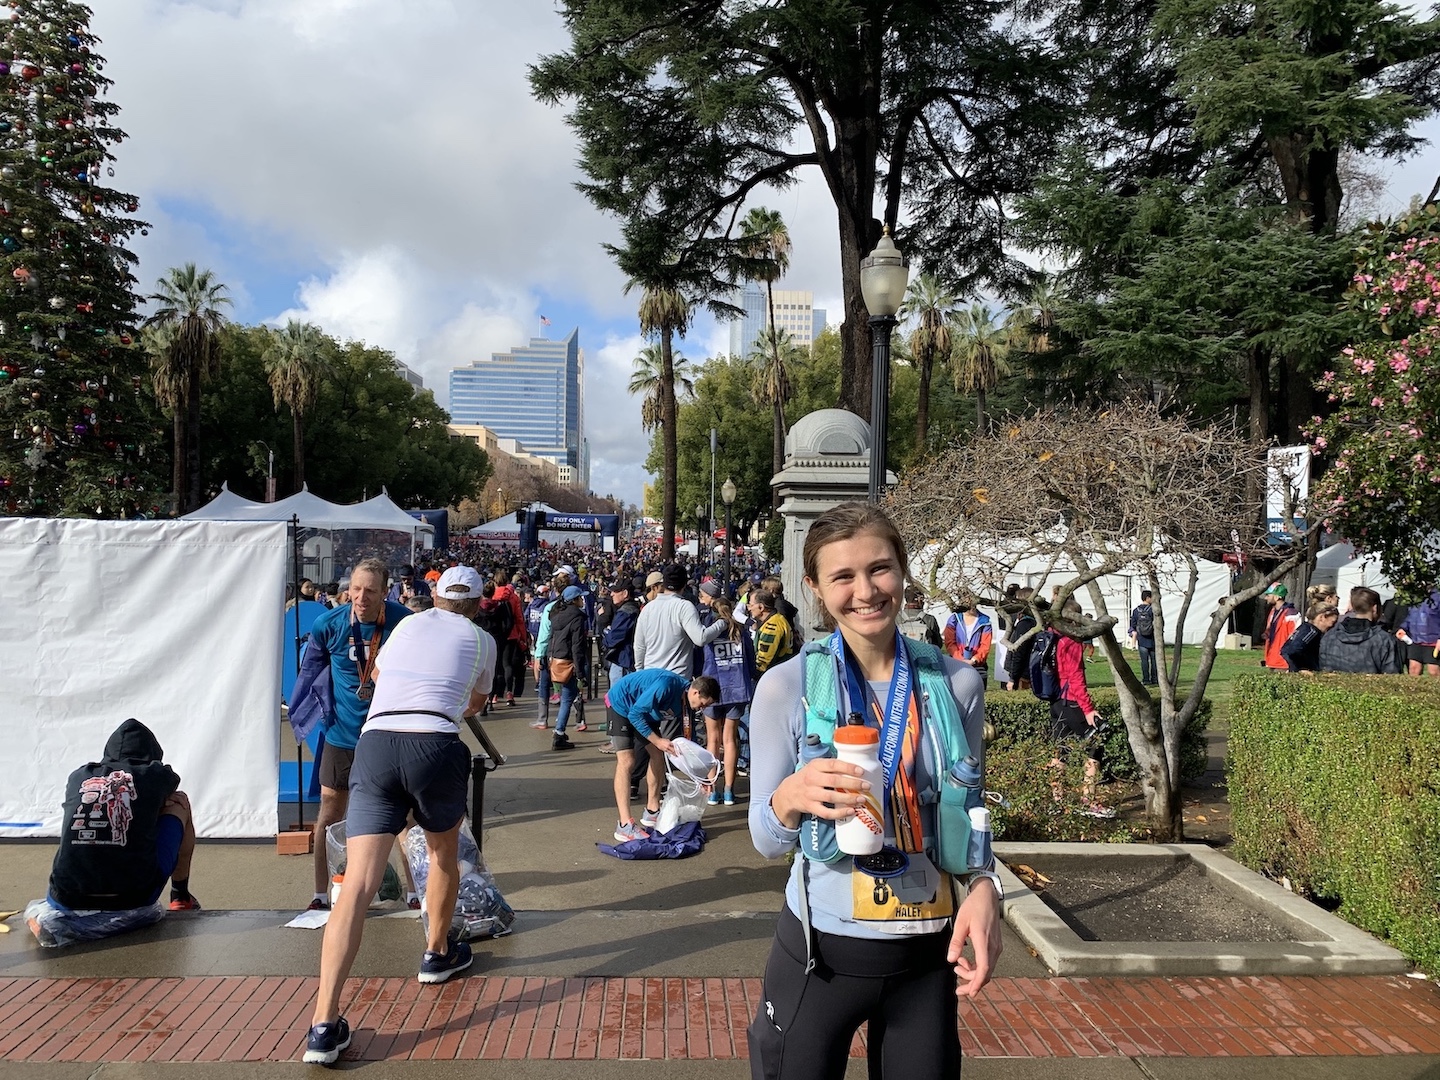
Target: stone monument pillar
(827, 461)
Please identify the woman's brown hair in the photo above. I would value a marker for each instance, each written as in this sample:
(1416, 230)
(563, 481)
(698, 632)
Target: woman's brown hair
(844, 522)
(725, 612)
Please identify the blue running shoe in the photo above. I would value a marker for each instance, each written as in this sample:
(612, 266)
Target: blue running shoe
(437, 967)
(326, 1041)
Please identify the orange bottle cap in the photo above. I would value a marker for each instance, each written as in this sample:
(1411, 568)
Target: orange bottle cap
(855, 735)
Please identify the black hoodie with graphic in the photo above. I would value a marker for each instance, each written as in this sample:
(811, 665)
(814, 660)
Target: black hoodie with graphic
(107, 855)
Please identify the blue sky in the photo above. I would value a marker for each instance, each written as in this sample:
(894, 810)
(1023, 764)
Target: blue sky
(381, 170)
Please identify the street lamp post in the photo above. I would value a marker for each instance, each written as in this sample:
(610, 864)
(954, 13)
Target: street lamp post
(727, 493)
(269, 472)
(883, 276)
(699, 523)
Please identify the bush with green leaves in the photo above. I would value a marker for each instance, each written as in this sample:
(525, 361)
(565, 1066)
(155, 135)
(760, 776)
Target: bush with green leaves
(1019, 770)
(1335, 785)
(1018, 715)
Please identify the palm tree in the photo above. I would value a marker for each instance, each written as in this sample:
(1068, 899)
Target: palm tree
(933, 304)
(294, 366)
(185, 345)
(1032, 325)
(664, 312)
(645, 380)
(977, 358)
(766, 243)
(773, 360)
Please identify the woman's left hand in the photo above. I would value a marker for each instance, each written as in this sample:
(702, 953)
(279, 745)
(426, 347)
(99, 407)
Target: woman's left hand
(977, 921)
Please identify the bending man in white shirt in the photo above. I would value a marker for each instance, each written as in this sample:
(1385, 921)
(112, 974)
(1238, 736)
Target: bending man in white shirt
(434, 669)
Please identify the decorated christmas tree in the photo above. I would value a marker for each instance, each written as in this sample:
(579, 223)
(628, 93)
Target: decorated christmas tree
(79, 433)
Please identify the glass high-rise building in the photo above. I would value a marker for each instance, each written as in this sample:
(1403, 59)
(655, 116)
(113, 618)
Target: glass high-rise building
(795, 313)
(534, 394)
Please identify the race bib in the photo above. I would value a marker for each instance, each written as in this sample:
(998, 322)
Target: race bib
(919, 901)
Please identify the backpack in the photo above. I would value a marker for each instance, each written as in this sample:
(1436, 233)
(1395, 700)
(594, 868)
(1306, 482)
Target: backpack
(496, 620)
(1044, 674)
(1144, 621)
(942, 725)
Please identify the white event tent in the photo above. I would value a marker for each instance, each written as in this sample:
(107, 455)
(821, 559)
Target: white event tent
(1339, 566)
(505, 532)
(1120, 591)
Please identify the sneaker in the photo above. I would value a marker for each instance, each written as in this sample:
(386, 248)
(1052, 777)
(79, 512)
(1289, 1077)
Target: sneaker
(539, 725)
(561, 742)
(437, 967)
(607, 748)
(554, 699)
(713, 799)
(630, 831)
(729, 797)
(742, 770)
(187, 903)
(649, 818)
(325, 1041)
(582, 726)
(319, 904)
(509, 701)
(1096, 810)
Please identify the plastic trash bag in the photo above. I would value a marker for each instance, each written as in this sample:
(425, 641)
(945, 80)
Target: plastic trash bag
(53, 927)
(391, 888)
(692, 771)
(480, 909)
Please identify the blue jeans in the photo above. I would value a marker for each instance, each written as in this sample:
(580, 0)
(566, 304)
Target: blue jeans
(1147, 666)
(542, 691)
(569, 691)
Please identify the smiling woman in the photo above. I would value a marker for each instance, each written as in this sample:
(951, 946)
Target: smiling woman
(882, 935)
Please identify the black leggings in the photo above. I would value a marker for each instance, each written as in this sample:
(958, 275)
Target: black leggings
(805, 1025)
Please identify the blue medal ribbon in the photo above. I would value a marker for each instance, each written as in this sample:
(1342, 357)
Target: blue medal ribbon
(897, 705)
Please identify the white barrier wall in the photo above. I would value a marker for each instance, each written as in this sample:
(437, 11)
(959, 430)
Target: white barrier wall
(175, 623)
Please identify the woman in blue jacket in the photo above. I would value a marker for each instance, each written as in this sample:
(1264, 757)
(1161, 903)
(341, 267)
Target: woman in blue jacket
(730, 661)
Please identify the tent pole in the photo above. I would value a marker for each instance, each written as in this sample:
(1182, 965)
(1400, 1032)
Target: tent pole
(299, 749)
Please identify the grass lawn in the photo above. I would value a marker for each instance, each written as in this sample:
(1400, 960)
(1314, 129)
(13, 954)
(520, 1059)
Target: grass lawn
(1228, 664)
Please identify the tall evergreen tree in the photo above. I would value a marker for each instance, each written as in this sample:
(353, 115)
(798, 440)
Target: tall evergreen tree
(684, 110)
(78, 437)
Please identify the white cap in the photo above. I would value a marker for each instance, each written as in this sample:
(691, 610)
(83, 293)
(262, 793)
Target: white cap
(460, 583)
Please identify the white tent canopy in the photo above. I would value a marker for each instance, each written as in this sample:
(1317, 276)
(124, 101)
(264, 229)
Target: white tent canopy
(313, 512)
(1338, 566)
(1120, 590)
(505, 531)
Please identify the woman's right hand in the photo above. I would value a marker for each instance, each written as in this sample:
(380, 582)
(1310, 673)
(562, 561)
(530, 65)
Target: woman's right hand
(825, 788)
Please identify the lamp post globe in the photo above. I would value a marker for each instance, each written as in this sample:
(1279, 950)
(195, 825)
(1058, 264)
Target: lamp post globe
(883, 277)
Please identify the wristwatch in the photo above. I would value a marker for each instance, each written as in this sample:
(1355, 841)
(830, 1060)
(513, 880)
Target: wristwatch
(994, 878)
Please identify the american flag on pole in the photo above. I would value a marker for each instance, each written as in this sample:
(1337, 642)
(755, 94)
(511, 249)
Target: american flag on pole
(544, 321)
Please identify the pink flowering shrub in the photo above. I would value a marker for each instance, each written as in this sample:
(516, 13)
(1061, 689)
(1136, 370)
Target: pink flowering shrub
(1381, 439)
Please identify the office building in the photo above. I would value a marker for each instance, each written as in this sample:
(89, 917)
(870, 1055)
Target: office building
(795, 313)
(533, 394)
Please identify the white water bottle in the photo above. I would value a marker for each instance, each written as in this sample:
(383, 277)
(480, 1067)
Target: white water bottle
(980, 836)
(863, 834)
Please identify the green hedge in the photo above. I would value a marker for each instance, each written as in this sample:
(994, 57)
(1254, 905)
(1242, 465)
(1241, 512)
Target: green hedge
(1335, 784)
(1018, 715)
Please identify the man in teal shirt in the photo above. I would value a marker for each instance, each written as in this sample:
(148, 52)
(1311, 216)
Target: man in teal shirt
(648, 707)
(350, 636)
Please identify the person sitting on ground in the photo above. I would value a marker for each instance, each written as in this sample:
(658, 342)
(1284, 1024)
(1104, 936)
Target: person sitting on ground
(127, 830)
(647, 707)
(1359, 645)
(1302, 650)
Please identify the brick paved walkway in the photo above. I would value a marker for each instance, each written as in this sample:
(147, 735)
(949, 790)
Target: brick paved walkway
(263, 1019)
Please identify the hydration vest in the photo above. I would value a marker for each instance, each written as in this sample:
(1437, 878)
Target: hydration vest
(945, 806)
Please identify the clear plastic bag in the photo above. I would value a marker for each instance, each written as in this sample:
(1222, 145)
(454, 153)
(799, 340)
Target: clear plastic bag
(480, 909)
(54, 928)
(391, 889)
(692, 771)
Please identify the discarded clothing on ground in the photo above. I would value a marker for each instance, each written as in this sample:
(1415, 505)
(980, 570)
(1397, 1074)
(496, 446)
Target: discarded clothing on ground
(684, 840)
